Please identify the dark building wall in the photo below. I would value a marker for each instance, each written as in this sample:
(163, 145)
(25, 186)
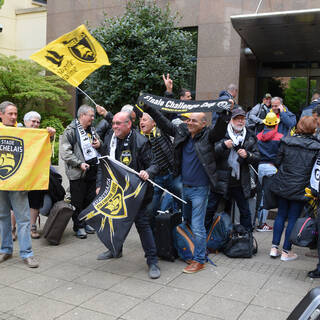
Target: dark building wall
(220, 54)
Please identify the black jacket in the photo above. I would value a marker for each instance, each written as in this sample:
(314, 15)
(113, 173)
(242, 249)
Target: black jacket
(203, 141)
(104, 126)
(224, 170)
(141, 158)
(296, 157)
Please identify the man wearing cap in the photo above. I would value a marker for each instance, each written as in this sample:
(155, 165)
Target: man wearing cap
(234, 153)
(268, 145)
(258, 113)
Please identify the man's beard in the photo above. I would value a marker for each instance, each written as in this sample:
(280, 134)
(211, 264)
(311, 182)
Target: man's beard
(237, 128)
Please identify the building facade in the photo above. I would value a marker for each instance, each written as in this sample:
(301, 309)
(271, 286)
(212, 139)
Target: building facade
(23, 27)
(222, 53)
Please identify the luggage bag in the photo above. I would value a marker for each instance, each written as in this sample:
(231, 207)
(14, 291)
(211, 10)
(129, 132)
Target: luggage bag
(57, 222)
(308, 307)
(164, 224)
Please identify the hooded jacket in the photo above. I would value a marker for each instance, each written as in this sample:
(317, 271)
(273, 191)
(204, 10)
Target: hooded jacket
(295, 161)
(268, 145)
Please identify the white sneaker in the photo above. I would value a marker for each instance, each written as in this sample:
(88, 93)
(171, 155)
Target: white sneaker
(274, 253)
(288, 256)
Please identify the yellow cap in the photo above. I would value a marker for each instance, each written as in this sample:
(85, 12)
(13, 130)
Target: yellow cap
(271, 119)
(186, 115)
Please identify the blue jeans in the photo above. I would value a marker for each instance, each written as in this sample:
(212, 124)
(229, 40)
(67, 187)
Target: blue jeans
(290, 209)
(264, 169)
(173, 185)
(194, 211)
(18, 201)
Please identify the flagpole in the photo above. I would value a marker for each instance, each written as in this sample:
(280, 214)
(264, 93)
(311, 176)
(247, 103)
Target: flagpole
(120, 164)
(87, 96)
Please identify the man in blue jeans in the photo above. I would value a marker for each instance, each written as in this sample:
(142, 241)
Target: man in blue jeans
(195, 161)
(18, 201)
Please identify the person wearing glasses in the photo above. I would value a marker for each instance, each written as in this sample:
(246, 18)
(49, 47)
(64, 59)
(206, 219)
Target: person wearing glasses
(79, 146)
(128, 146)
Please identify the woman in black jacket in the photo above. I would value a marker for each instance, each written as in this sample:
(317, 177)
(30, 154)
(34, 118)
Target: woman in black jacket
(295, 160)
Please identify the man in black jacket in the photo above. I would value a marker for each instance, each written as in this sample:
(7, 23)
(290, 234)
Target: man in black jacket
(131, 148)
(195, 161)
(234, 153)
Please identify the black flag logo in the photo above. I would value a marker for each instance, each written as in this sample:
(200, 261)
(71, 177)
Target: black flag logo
(82, 49)
(54, 57)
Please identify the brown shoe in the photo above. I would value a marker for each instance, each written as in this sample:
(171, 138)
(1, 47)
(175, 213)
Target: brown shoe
(5, 256)
(31, 262)
(188, 261)
(193, 267)
(34, 233)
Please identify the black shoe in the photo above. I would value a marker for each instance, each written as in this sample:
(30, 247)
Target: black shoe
(108, 255)
(89, 229)
(314, 274)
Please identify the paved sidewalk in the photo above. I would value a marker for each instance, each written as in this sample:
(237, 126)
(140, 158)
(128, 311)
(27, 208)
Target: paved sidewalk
(71, 284)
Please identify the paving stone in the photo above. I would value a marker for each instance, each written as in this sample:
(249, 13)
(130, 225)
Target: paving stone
(234, 291)
(111, 303)
(119, 266)
(149, 310)
(136, 288)
(284, 285)
(219, 307)
(247, 278)
(175, 297)
(276, 300)
(11, 298)
(196, 316)
(38, 284)
(11, 274)
(262, 313)
(66, 271)
(73, 293)
(84, 314)
(194, 282)
(88, 260)
(41, 308)
(99, 279)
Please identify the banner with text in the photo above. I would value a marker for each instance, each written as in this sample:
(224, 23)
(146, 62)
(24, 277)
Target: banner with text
(24, 159)
(182, 106)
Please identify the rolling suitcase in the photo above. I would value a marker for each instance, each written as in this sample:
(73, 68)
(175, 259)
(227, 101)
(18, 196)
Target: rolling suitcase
(164, 224)
(308, 308)
(57, 222)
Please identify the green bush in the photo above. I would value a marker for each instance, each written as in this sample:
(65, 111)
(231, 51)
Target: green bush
(142, 45)
(54, 123)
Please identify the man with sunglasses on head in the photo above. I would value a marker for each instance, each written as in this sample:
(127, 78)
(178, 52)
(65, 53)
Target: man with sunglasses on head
(195, 160)
(128, 146)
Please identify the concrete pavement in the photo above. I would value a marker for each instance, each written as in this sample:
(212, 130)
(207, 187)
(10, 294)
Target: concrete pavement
(71, 284)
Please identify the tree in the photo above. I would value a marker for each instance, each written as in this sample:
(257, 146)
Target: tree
(295, 94)
(24, 83)
(142, 45)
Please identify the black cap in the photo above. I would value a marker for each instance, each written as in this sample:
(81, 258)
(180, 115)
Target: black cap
(238, 112)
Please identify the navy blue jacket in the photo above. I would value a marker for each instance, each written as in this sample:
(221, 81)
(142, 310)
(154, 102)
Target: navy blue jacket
(268, 145)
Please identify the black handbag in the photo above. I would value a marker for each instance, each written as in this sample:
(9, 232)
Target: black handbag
(304, 232)
(242, 244)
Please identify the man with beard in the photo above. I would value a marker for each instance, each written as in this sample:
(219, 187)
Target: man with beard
(234, 153)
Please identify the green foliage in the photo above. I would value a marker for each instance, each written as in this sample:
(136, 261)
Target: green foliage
(141, 46)
(23, 82)
(295, 94)
(55, 159)
(54, 123)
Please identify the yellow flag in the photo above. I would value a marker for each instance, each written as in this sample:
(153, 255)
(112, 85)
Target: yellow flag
(24, 159)
(73, 56)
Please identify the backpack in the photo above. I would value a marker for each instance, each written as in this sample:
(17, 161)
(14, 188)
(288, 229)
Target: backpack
(219, 233)
(184, 241)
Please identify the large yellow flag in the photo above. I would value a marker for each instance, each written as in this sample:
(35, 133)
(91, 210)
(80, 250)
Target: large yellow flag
(24, 159)
(73, 56)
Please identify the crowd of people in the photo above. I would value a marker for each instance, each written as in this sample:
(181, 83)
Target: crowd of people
(210, 166)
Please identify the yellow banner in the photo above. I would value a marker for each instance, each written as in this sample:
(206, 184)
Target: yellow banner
(73, 56)
(24, 159)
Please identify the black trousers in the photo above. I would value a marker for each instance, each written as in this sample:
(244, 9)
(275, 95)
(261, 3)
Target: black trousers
(83, 191)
